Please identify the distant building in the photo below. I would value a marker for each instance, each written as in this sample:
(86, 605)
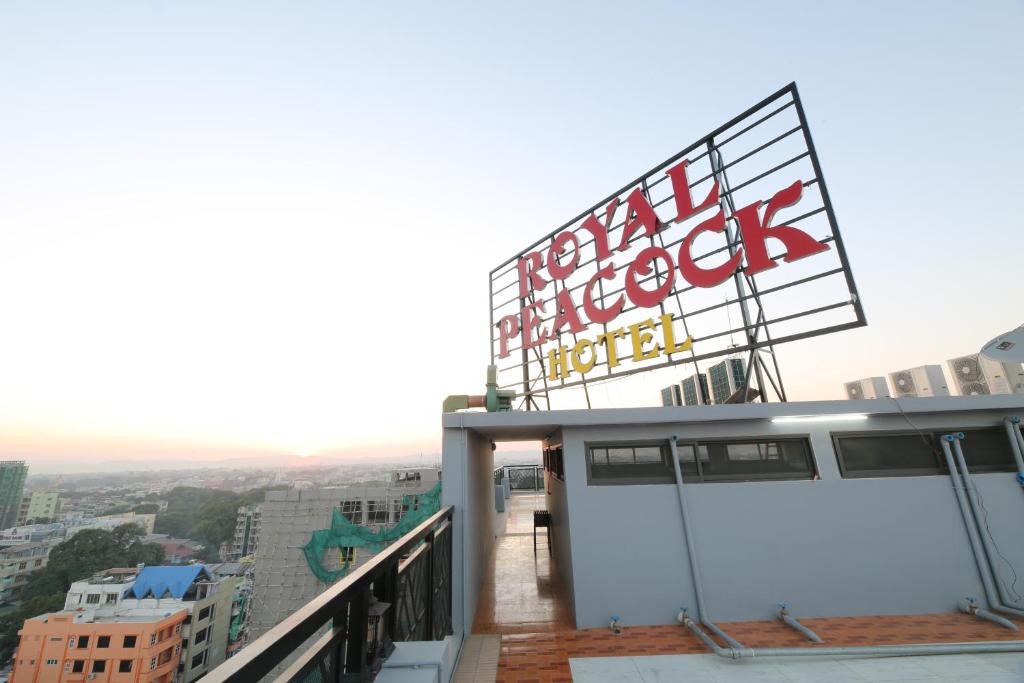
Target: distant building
(77, 646)
(176, 550)
(726, 378)
(17, 562)
(38, 505)
(694, 390)
(12, 487)
(247, 532)
(110, 522)
(282, 579)
(206, 600)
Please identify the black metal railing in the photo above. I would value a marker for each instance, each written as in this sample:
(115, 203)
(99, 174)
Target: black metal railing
(411, 577)
(521, 477)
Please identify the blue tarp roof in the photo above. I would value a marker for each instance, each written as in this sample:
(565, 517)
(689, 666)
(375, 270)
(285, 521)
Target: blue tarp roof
(159, 581)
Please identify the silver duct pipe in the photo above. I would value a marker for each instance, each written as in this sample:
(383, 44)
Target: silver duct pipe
(980, 558)
(691, 552)
(791, 621)
(990, 552)
(869, 650)
(969, 606)
(1012, 425)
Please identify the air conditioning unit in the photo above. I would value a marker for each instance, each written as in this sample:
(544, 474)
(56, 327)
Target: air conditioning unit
(670, 396)
(975, 375)
(694, 390)
(923, 381)
(872, 387)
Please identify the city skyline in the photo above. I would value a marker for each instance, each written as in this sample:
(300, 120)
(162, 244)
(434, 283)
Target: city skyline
(269, 233)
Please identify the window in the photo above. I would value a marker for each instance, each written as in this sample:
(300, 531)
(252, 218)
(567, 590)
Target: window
(152, 663)
(51, 662)
(99, 666)
(92, 599)
(908, 454)
(376, 512)
(554, 462)
(22, 565)
(205, 612)
(347, 553)
(83, 642)
(700, 461)
(352, 510)
(38, 563)
(111, 598)
(129, 641)
(124, 666)
(198, 659)
(71, 641)
(152, 639)
(201, 636)
(103, 641)
(78, 666)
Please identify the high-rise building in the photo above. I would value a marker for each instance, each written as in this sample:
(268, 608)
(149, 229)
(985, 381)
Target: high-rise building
(247, 533)
(726, 378)
(12, 487)
(695, 390)
(41, 505)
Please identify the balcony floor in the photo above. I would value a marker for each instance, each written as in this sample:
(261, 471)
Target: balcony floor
(522, 593)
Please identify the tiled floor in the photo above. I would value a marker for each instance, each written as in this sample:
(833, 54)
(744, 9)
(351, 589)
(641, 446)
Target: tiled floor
(479, 660)
(994, 668)
(544, 657)
(522, 592)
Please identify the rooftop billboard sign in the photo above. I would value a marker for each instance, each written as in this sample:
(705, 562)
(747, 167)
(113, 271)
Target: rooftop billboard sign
(729, 246)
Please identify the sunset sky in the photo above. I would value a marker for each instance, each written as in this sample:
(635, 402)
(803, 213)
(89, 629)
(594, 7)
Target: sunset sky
(240, 229)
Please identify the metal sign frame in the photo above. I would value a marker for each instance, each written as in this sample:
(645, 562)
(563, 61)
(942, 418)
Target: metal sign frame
(749, 154)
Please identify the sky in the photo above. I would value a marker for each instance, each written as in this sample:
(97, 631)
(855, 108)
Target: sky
(234, 229)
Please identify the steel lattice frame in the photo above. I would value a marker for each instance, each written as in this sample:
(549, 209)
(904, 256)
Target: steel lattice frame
(752, 156)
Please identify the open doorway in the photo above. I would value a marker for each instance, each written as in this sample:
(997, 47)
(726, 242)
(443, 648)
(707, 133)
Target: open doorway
(522, 590)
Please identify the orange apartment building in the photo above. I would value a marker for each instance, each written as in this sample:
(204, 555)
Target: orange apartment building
(68, 647)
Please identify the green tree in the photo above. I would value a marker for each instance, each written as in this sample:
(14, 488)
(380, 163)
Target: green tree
(146, 509)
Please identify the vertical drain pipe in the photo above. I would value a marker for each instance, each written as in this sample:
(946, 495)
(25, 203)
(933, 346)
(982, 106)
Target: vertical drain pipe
(972, 532)
(1017, 444)
(986, 542)
(691, 551)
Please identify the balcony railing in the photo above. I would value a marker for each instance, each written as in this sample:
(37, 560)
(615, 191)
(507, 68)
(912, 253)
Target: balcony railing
(413, 576)
(521, 477)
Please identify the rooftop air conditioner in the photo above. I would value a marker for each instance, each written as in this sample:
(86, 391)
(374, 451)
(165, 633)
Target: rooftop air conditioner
(872, 387)
(923, 381)
(975, 375)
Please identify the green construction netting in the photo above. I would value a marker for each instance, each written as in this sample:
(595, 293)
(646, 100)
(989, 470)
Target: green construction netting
(345, 534)
(236, 623)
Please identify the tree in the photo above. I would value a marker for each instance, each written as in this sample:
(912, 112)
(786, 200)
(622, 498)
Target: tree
(146, 509)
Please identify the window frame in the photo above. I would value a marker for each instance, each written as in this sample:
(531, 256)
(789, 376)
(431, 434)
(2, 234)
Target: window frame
(134, 642)
(698, 476)
(940, 468)
(121, 666)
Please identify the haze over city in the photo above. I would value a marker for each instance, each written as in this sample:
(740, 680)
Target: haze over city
(243, 231)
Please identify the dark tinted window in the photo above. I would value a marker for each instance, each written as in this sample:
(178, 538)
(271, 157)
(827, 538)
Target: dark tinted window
(988, 450)
(887, 454)
(915, 454)
(129, 641)
(124, 666)
(103, 641)
(630, 464)
(83, 642)
(738, 460)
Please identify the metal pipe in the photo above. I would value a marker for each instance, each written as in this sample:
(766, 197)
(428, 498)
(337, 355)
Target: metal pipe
(972, 532)
(691, 552)
(969, 606)
(791, 621)
(859, 650)
(1001, 605)
(1012, 425)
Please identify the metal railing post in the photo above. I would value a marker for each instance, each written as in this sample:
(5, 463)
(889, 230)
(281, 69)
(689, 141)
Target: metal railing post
(355, 634)
(428, 616)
